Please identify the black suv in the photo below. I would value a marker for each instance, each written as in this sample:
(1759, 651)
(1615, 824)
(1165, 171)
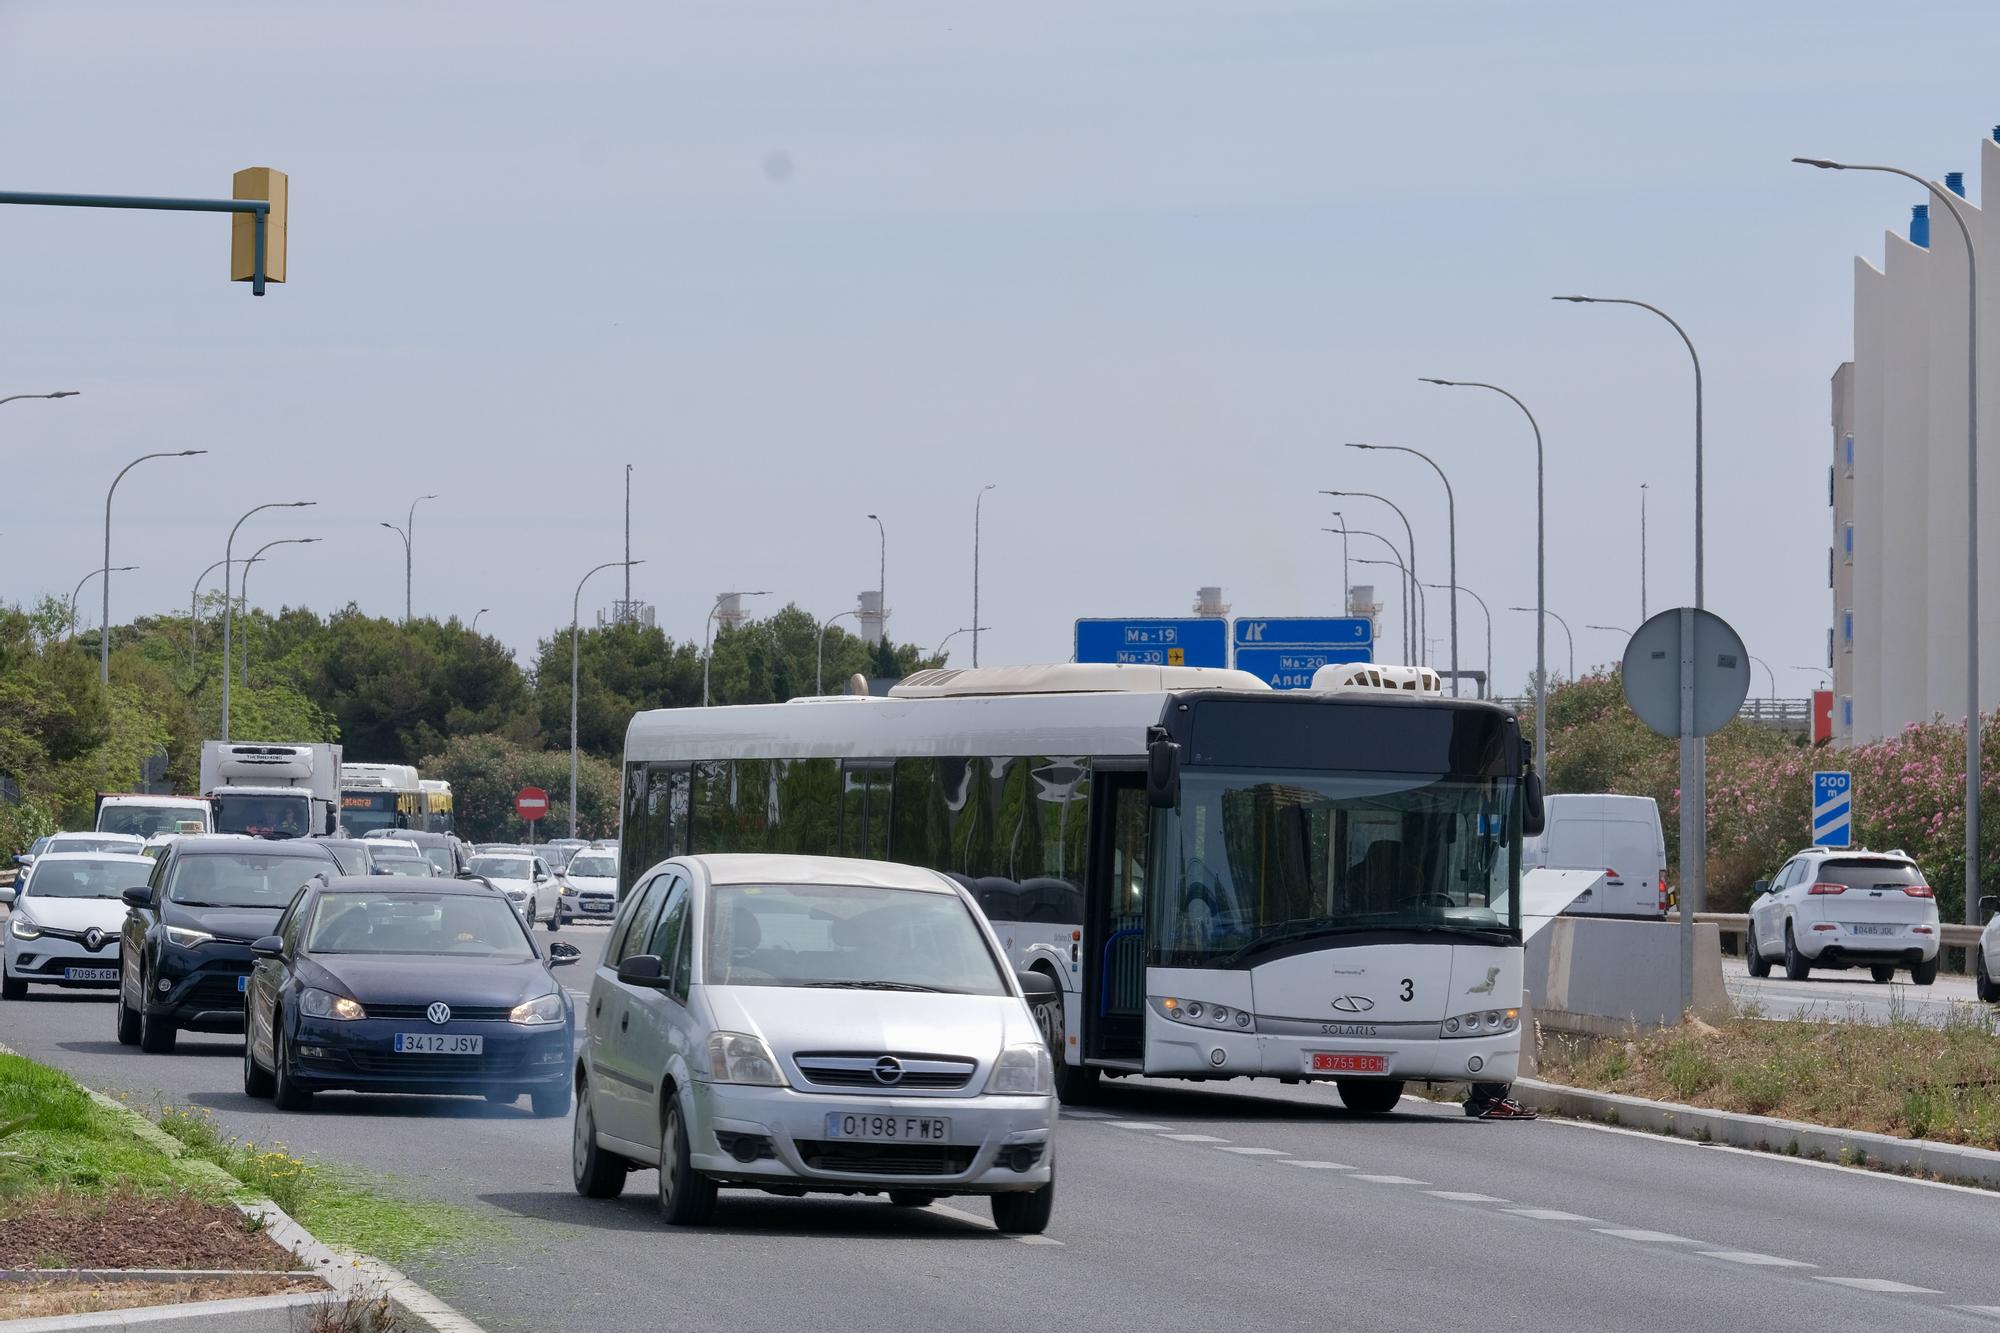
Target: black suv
(184, 952)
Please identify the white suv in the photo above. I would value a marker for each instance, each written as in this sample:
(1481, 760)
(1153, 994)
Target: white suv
(800, 1024)
(1986, 970)
(1835, 908)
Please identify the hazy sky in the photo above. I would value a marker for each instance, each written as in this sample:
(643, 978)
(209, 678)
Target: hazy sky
(1143, 265)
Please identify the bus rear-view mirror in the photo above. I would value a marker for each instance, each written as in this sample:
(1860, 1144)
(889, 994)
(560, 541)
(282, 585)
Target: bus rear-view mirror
(1163, 773)
(1533, 814)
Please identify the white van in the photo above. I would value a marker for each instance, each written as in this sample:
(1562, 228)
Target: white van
(1619, 835)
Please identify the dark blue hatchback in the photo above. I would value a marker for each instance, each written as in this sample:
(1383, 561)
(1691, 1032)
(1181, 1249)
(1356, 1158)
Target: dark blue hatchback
(383, 984)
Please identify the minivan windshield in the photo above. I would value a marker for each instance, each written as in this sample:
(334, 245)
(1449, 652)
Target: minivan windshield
(503, 867)
(388, 921)
(83, 879)
(593, 865)
(145, 820)
(243, 879)
(844, 937)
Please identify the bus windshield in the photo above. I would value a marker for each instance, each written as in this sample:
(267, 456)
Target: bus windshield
(1268, 857)
(365, 811)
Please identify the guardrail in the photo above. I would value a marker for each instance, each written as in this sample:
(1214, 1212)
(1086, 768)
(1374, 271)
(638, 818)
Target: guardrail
(1786, 714)
(1734, 925)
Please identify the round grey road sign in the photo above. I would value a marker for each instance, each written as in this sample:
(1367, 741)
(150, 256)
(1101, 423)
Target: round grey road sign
(1653, 672)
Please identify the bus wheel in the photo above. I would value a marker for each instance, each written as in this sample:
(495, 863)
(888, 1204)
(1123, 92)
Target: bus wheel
(1370, 1096)
(1076, 1085)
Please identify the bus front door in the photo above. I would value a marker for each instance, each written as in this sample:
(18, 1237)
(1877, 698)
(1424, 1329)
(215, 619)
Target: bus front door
(1115, 928)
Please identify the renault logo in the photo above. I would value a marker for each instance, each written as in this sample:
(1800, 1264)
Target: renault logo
(1354, 1004)
(439, 1012)
(93, 939)
(889, 1070)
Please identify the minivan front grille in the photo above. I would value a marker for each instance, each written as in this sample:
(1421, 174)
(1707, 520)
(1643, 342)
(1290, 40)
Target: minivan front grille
(885, 1072)
(885, 1159)
(471, 1013)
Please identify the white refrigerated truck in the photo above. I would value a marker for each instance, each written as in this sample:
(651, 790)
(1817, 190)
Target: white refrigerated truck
(272, 789)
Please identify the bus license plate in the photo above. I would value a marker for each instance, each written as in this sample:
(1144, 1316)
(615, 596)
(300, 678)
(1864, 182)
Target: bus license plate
(889, 1128)
(90, 974)
(1327, 1062)
(439, 1043)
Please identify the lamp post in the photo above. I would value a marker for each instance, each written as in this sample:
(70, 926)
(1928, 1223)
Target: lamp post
(1346, 606)
(1566, 634)
(1819, 671)
(1974, 878)
(194, 599)
(228, 596)
(1642, 552)
(410, 526)
(949, 637)
(59, 393)
(819, 666)
(882, 576)
(1484, 611)
(1541, 564)
(1416, 644)
(977, 502)
(1451, 530)
(255, 556)
(79, 592)
(1611, 629)
(475, 617)
(709, 623)
(1405, 599)
(104, 638)
(575, 610)
(1769, 675)
(1418, 588)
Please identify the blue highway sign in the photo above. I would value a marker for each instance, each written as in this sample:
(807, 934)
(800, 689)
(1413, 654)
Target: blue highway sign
(1292, 668)
(1833, 810)
(1306, 632)
(1196, 641)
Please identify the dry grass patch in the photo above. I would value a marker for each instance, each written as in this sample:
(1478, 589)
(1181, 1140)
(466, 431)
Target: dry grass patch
(61, 1296)
(1903, 1079)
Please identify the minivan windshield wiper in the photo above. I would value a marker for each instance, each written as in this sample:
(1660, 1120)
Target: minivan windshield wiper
(877, 985)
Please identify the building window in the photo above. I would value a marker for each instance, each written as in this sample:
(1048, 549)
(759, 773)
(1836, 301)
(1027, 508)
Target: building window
(1829, 647)
(1847, 627)
(1847, 453)
(1829, 488)
(1847, 712)
(1829, 566)
(1847, 540)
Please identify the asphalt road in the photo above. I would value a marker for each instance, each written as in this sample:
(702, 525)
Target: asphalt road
(1182, 1207)
(1853, 996)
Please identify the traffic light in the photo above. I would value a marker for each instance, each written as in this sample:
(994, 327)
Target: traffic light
(270, 184)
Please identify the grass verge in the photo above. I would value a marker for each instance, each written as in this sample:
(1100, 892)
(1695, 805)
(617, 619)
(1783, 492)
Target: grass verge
(1905, 1079)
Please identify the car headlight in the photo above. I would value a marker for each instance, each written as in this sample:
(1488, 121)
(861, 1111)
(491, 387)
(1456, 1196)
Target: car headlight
(325, 1004)
(1023, 1071)
(738, 1057)
(188, 938)
(538, 1012)
(23, 929)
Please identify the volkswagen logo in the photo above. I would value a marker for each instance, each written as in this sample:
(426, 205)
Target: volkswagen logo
(439, 1012)
(889, 1070)
(93, 939)
(1354, 1004)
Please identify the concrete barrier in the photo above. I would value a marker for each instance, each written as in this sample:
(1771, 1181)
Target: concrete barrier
(1598, 975)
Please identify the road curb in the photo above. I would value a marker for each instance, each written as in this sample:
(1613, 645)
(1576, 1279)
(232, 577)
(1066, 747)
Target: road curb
(350, 1273)
(252, 1314)
(1849, 1147)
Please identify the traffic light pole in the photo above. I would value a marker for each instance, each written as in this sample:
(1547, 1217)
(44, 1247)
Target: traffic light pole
(259, 209)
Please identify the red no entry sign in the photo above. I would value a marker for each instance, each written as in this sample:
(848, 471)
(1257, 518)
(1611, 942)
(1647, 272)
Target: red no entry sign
(531, 803)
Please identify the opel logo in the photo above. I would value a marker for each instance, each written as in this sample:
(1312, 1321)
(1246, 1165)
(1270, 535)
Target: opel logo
(439, 1012)
(1354, 1004)
(889, 1070)
(93, 939)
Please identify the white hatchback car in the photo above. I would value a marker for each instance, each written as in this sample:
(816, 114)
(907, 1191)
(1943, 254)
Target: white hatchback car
(64, 920)
(1837, 908)
(590, 885)
(528, 883)
(802, 1024)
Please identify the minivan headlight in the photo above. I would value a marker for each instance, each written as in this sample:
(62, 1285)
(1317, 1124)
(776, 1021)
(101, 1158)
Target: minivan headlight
(325, 1004)
(1023, 1071)
(738, 1057)
(23, 929)
(538, 1012)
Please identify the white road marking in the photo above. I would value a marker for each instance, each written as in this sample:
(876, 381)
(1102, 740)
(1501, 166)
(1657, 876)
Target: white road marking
(1071, 1113)
(1316, 1166)
(1881, 1284)
(1463, 1196)
(1755, 1259)
(1255, 1152)
(1036, 1240)
(1194, 1138)
(1990, 1310)
(1392, 1180)
(1654, 1237)
(1548, 1214)
(1135, 1124)
(977, 1220)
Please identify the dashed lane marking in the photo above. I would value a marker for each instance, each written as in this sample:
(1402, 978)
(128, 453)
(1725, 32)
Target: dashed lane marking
(1254, 1152)
(1548, 1214)
(1881, 1284)
(1194, 1138)
(1391, 1180)
(1310, 1165)
(1755, 1259)
(1652, 1237)
(1991, 1311)
(1463, 1196)
(1136, 1124)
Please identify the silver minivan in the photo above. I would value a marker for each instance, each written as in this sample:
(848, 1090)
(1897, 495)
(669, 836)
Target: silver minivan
(800, 1024)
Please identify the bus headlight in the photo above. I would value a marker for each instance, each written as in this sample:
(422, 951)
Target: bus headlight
(1482, 1023)
(1199, 1013)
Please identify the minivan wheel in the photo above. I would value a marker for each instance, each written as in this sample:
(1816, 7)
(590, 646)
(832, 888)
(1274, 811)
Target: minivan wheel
(1924, 973)
(1882, 972)
(1025, 1213)
(156, 1034)
(1753, 959)
(687, 1197)
(1370, 1096)
(1796, 966)
(548, 1103)
(1982, 980)
(11, 987)
(1076, 1085)
(128, 1022)
(256, 1079)
(555, 918)
(597, 1174)
(286, 1094)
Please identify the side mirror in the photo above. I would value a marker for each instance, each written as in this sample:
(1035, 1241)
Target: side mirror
(1761, 887)
(467, 874)
(1534, 814)
(268, 947)
(332, 822)
(139, 897)
(643, 969)
(1163, 771)
(1989, 904)
(562, 955)
(1039, 987)
(7, 896)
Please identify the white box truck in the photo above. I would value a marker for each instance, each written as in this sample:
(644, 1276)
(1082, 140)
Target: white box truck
(272, 789)
(1618, 835)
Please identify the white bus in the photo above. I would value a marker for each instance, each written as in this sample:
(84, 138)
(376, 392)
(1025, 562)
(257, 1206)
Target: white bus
(379, 796)
(1223, 880)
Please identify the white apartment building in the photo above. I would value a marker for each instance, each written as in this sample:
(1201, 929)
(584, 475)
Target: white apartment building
(1897, 485)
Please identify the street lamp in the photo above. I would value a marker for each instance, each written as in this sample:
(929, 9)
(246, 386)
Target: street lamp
(1405, 598)
(1483, 610)
(1973, 876)
(575, 610)
(1422, 601)
(709, 623)
(194, 599)
(1412, 569)
(819, 665)
(404, 532)
(882, 576)
(978, 501)
(104, 639)
(949, 637)
(1566, 634)
(1819, 671)
(1346, 606)
(1451, 528)
(59, 393)
(1611, 629)
(1769, 675)
(475, 617)
(79, 592)
(255, 556)
(228, 595)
